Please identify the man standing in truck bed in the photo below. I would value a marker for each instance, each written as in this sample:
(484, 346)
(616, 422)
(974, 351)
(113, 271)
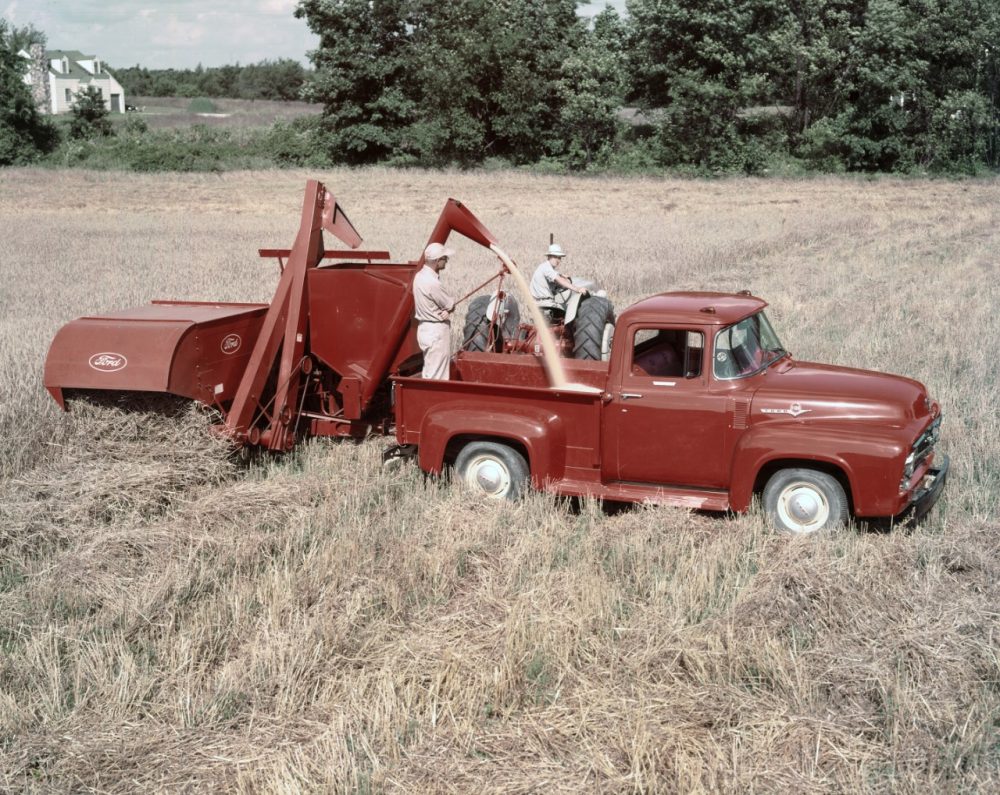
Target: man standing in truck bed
(433, 308)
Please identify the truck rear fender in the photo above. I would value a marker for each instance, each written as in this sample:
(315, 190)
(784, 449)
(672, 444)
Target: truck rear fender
(539, 434)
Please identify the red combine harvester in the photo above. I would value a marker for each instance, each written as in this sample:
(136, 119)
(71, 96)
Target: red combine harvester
(315, 361)
(697, 405)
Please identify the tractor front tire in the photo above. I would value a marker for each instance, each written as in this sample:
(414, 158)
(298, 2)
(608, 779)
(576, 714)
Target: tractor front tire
(475, 334)
(593, 329)
(493, 470)
(805, 501)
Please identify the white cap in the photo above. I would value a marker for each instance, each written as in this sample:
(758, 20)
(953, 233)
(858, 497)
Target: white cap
(555, 250)
(436, 251)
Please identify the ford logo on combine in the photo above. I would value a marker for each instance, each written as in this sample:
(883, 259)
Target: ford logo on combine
(231, 343)
(108, 362)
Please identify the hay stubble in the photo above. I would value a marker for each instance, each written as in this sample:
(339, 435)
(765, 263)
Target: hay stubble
(172, 618)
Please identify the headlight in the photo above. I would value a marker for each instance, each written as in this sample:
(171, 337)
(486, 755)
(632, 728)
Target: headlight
(909, 465)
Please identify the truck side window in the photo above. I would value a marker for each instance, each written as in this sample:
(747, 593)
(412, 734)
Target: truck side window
(667, 353)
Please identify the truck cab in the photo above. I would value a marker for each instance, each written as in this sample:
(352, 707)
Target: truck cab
(700, 406)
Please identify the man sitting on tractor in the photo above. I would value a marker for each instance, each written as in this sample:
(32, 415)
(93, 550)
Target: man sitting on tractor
(547, 279)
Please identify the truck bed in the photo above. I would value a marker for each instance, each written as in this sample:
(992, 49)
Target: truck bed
(507, 397)
(522, 370)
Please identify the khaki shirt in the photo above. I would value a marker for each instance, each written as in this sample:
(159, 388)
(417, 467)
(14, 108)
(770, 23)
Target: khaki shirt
(431, 302)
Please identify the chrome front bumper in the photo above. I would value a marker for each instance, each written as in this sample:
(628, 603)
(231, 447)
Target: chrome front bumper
(929, 490)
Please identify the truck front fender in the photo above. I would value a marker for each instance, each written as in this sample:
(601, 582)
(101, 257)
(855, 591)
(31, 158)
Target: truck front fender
(539, 432)
(866, 461)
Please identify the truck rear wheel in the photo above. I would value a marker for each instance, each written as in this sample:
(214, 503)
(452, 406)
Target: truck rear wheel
(593, 329)
(493, 470)
(804, 501)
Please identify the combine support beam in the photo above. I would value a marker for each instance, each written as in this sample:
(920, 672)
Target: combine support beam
(285, 327)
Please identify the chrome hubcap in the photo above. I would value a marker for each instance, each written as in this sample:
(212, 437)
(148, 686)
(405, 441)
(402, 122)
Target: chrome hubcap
(489, 476)
(803, 508)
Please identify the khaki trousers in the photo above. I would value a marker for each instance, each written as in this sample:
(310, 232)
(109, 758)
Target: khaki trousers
(434, 340)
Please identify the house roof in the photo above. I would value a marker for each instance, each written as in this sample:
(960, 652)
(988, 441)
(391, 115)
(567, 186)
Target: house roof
(76, 71)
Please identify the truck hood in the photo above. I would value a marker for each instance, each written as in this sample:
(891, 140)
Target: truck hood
(813, 391)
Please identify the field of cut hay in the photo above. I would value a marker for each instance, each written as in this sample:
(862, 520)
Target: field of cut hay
(174, 618)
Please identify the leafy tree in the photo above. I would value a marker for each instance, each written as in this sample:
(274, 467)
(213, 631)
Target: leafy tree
(592, 89)
(90, 115)
(884, 85)
(274, 80)
(698, 64)
(24, 132)
(22, 37)
(440, 82)
(361, 75)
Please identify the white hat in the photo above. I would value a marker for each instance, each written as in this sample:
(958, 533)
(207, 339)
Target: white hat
(436, 251)
(555, 250)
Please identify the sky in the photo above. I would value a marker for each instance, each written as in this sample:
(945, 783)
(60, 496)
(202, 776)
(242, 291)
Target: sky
(161, 34)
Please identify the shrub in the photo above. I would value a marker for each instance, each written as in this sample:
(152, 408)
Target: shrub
(202, 105)
(90, 116)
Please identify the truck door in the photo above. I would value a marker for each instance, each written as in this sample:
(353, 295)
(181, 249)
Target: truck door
(662, 424)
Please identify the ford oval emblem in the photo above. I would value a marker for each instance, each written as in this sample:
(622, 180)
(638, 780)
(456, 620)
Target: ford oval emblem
(231, 343)
(108, 362)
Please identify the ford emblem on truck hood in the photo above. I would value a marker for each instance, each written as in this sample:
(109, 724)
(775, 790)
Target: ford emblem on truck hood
(795, 410)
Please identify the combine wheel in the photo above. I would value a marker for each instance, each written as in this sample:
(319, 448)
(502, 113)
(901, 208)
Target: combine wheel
(593, 329)
(804, 501)
(493, 470)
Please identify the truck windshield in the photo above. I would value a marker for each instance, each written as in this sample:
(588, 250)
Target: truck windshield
(746, 348)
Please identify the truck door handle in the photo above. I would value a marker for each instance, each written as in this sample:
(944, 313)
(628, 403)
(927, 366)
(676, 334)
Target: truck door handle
(627, 395)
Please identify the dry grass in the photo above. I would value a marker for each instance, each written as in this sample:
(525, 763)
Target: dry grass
(173, 619)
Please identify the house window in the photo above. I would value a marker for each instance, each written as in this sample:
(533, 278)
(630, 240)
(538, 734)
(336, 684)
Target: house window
(69, 95)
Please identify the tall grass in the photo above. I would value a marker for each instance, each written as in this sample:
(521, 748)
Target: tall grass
(172, 617)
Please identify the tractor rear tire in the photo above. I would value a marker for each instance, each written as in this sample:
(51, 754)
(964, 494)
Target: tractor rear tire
(475, 334)
(493, 470)
(593, 329)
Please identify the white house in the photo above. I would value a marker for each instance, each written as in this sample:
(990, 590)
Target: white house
(70, 71)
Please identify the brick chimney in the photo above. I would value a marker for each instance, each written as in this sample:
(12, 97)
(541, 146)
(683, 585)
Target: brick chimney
(39, 73)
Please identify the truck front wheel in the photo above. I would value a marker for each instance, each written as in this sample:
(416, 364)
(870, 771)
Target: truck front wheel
(804, 501)
(493, 470)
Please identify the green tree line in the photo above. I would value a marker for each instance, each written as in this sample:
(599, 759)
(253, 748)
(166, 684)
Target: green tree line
(720, 85)
(694, 86)
(275, 80)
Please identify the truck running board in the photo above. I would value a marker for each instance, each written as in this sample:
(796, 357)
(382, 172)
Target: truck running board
(677, 496)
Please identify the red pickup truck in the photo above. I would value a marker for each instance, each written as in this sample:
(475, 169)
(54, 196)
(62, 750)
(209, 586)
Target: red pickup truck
(699, 406)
